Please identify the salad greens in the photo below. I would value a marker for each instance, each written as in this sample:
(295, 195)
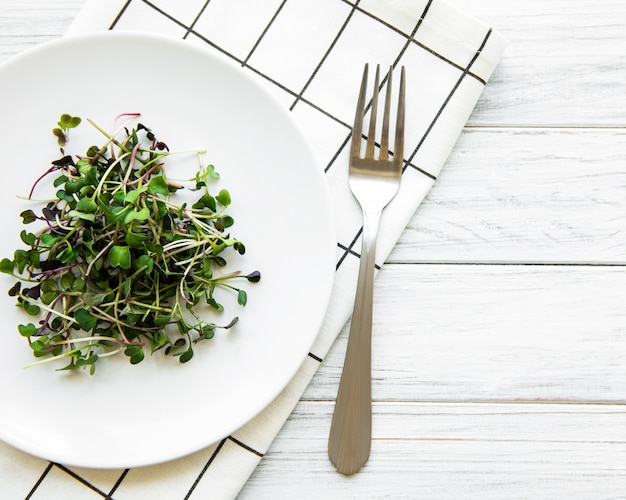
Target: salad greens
(117, 266)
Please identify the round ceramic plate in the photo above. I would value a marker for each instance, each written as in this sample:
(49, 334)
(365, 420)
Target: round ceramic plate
(124, 415)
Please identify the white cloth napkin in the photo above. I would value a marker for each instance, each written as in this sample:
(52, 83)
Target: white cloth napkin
(310, 53)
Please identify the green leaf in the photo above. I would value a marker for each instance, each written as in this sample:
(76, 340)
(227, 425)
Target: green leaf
(72, 187)
(28, 216)
(135, 240)
(7, 266)
(242, 297)
(85, 319)
(158, 185)
(119, 256)
(135, 353)
(48, 297)
(93, 298)
(31, 309)
(49, 286)
(162, 319)
(87, 205)
(145, 260)
(78, 285)
(61, 139)
(206, 201)
(209, 171)
(207, 331)
(28, 238)
(27, 330)
(214, 304)
(139, 215)
(132, 196)
(67, 280)
(80, 362)
(128, 283)
(64, 120)
(186, 356)
(60, 180)
(82, 215)
(50, 239)
(223, 198)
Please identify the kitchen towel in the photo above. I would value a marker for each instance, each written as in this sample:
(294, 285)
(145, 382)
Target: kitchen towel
(310, 55)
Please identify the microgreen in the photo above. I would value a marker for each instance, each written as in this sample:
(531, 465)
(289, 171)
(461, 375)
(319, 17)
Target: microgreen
(66, 122)
(117, 266)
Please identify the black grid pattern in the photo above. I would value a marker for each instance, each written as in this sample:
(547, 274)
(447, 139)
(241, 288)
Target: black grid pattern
(191, 25)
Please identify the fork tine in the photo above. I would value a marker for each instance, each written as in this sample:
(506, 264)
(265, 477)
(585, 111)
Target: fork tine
(398, 150)
(357, 129)
(371, 135)
(384, 141)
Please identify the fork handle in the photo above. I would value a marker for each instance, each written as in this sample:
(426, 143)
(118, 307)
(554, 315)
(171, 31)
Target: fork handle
(351, 426)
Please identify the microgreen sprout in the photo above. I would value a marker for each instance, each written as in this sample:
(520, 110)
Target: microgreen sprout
(66, 122)
(117, 265)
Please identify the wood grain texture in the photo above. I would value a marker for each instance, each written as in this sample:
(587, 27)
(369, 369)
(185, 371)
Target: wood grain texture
(484, 333)
(563, 67)
(526, 195)
(26, 24)
(445, 451)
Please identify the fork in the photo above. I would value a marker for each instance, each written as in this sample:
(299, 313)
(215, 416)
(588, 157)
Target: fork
(374, 182)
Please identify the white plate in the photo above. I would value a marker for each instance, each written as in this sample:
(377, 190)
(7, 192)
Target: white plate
(127, 416)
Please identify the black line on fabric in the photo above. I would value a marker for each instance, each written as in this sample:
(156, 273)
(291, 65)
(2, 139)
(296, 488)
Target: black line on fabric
(450, 95)
(119, 14)
(316, 358)
(204, 469)
(451, 63)
(39, 481)
(421, 45)
(408, 164)
(193, 23)
(117, 484)
(245, 446)
(270, 79)
(348, 249)
(215, 46)
(326, 113)
(80, 479)
(337, 153)
(169, 16)
(412, 35)
(241, 62)
(326, 54)
(354, 253)
(262, 35)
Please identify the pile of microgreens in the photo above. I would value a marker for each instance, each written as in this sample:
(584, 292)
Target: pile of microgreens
(117, 266)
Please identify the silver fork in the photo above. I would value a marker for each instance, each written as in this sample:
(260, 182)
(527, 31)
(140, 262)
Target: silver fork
(374, 181)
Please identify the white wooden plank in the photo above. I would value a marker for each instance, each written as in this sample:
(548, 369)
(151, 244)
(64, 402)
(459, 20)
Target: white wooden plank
(493, 333)
(525, 195)
(565, 64)
(454, 451)
(26, 24)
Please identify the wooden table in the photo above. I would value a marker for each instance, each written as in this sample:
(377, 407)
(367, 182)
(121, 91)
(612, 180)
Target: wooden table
(500, 320)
